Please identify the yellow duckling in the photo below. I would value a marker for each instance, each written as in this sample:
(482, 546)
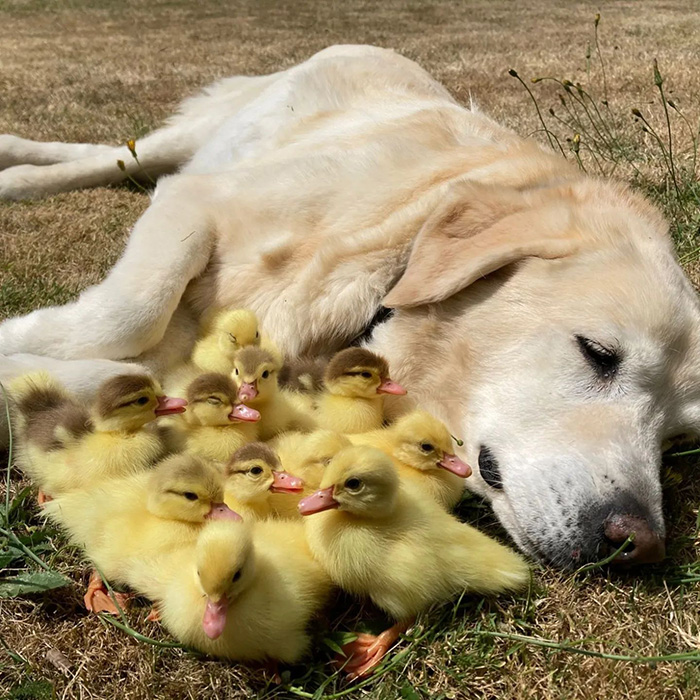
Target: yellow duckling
(63, 445)
(252, 476)
(255, 371)
(353, 402)
(303, 375)
(421, 447)
(225, 334)
(215, 424)
(245, 591)
(382, 538)
(305, 455)
(139, 516)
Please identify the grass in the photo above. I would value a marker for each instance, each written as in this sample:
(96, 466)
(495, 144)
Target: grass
(108, 71)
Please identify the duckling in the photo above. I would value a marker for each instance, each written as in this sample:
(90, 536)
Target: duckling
(255, 370)
(305, 455)
(245, 591)
(252, 476)
(421, 447)
(63, 445)
(304, 375)
(141, 515)
(216, 424)
(355, 382)
(382, 538)
(225, 334)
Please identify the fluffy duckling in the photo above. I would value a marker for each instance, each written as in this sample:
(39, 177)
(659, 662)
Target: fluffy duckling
(215, 424)
(421, 447)
(255, 371)
(305, 455)
(304, 375)
(63, 445)
(225, 334)
(245, 591)
(142, 515)
(355, 382)
(252, 476)
(382, 538)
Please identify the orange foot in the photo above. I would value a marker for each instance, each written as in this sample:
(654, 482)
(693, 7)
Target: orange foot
(367, 651)
(154, 615)
(42, 498)
(97, 598)
(272, 667)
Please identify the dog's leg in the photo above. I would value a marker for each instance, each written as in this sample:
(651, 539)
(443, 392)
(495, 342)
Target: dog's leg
(18, 151)
(159, 153)
(129, 311)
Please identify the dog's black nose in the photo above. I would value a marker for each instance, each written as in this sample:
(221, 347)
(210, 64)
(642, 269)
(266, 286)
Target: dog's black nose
(647, 548)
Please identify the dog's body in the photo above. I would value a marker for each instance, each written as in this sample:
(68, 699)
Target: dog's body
(540, 313)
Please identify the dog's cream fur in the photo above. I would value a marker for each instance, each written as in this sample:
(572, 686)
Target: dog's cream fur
(353, 180)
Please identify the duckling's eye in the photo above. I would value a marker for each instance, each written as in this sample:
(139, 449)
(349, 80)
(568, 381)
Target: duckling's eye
(214, 401)
(265, 374)
(236, 370)
(353, 484)
(142, 400)
(427, 447)
(366, 375)
(236, 576)
(256, 470)
(190, 495)
(257, 335)
(232, 338)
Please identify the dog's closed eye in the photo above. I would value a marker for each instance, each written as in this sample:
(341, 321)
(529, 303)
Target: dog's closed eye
(605, 360)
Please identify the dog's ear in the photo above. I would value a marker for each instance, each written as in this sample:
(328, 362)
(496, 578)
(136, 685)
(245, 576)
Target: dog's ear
(478, 230)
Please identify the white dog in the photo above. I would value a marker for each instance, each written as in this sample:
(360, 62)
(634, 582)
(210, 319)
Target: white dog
(539, 312)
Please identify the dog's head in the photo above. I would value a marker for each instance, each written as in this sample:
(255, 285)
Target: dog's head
(555, 332)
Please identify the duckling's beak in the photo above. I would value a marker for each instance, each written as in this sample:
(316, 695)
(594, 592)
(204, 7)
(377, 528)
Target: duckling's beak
(248, 390)
(241, 412)
(167, 406)
(220, 511)
(317, 502)
(455, 465)
(388, 386)
(284, 482)
(214, 621)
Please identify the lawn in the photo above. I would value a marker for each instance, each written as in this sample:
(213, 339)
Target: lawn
(89, 70)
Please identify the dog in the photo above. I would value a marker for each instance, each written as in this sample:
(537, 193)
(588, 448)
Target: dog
(539, 312)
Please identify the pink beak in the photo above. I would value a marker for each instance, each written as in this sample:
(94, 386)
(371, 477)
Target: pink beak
(168, 406)
(214, 621)
(241, 412)
(391, 387)
(455, 465)
(220, 511)
(284, 482)
(248, 391)
(317, 502)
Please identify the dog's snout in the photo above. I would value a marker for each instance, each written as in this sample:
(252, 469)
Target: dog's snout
(647, 546)
(489, 469)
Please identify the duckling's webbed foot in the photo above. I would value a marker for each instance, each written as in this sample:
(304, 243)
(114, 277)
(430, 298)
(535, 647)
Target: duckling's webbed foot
(42, 498)
(367, 651)
(97, 598)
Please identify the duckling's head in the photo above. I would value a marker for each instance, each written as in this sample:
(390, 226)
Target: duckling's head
(357, 372)
(211, 399)
(423, 442)
(254, 472)
(359, 480)
(255, 371)
(129, 401)
(314, 451)
(235, 330)
(225, 567)
(185, 487)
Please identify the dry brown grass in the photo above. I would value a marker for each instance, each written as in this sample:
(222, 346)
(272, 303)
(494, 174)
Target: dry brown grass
(107, 71)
